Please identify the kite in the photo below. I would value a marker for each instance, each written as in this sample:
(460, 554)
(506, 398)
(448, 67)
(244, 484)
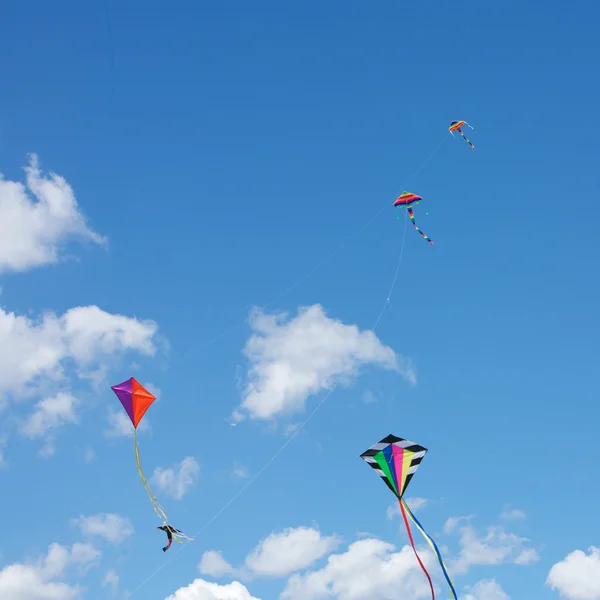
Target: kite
(396, 460)
(136, 400)
(408, 200)
(456, 126)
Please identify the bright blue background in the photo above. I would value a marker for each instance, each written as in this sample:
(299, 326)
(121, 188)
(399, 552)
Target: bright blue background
(227, 148)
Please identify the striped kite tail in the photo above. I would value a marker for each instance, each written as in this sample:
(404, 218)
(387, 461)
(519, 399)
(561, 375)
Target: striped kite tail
(412, 543)
(466, 138)
(431, 543)
(411, 214)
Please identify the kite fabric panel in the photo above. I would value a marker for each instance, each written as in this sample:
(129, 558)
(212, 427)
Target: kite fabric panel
(396, 461)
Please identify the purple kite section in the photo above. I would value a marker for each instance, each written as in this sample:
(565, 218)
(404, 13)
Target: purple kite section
(124, 393)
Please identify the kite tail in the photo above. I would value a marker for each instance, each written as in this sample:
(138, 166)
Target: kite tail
(412, 543)
(466, 138)
(182, 536)
(158, 509)
(411, 214)
(433, 545)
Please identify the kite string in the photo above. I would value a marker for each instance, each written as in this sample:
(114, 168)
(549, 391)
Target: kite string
(319, 405)
(412, 543)
(320, 264)
(433, 546)
(292, 436)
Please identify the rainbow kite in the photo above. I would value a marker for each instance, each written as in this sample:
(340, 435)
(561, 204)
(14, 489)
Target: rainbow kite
(396, 460)
(136, 400)
(456, 126)
(407, 200)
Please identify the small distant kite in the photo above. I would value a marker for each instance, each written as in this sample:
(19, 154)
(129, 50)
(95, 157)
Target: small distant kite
(407, 200)
(396, 460)
(456, 126)
(136, 400)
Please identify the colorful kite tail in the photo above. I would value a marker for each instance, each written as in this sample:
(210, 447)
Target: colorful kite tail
(181, 536)
(158, 509)
(412, 543)
(466, 138)
(411, 214)
(433, 545)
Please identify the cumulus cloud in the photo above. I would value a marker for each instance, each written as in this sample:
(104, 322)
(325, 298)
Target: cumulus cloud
(486, 589)
(369, 569)
(111, 527)
(36, 219)
(177, 481)
(291, 359)
(493, 548)
(213, 564)
(43, 579)
(577, 576)
(293, 549)
(30, 350)
(205, 590)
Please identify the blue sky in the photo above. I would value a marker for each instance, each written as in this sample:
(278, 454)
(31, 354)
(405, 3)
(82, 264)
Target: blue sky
(219, 153)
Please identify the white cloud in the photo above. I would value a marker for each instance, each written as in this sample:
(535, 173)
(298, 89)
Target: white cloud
(30, 350)
(293, 549)
(577, 576)
(494, 548)
(513, 514)
(239, 472)
(176, 482)
(89, 455)
(111, 527)
(213, 564)
(369, 397)
(111, 578)
(486, 589)
(293, 359)
(33, 230)
(205, 590)
(369, 569)
(44, 579)
(415, 504)
(51, 413)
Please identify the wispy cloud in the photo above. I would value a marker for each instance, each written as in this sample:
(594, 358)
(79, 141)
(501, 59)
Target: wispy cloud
(512, 514)
(414, 503)
(494, 547)
(177, 481)
(113, 528)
